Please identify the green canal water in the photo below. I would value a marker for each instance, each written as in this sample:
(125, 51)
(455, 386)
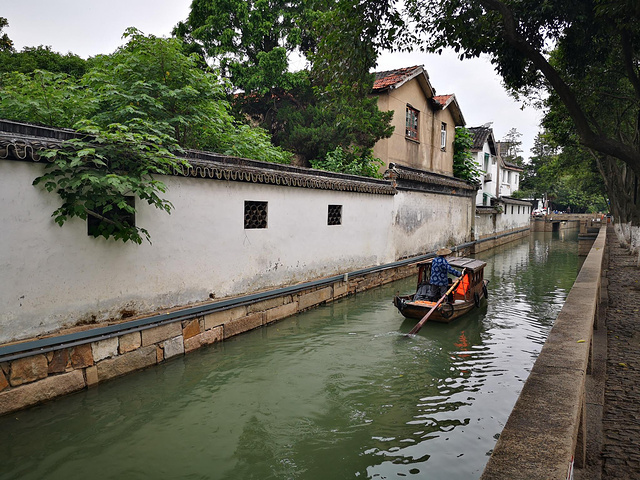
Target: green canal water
(335, 393)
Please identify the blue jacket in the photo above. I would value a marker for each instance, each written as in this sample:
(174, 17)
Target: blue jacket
(439, 269)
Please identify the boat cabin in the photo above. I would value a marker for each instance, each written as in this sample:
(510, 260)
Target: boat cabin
(471, 283)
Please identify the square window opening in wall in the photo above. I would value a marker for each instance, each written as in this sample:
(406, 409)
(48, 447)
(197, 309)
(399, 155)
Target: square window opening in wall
(255, 214)
(106, 219)
(335, 215)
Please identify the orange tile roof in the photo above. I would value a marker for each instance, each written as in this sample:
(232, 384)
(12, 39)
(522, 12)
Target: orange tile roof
(390, 78)
(442, 99)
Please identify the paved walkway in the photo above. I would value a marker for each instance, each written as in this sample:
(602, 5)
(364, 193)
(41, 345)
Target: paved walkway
(620, 457)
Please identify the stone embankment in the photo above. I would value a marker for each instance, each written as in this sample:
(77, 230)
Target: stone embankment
(69, 362)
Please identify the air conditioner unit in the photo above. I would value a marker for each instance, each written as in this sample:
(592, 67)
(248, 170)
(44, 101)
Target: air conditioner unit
(487, 177)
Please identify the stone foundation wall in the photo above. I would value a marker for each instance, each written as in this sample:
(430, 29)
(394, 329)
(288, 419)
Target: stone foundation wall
(490, 241)
(37, 378)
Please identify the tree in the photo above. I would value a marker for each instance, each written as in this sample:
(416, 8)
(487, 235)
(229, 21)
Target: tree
(6, 44)
(134, 111)
(31, 59)
(249, 40)
(463, 165)
(510, 147)
(566, 177)
(306, 112)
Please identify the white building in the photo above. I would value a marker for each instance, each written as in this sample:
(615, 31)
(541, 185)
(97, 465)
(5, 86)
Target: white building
(485, 155)
(496, 210)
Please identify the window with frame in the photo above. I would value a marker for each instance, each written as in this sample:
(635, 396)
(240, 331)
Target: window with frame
(255, 215)
(411, 122)
(443, 136)
(486, 162)
(334, 215)
(105, 219)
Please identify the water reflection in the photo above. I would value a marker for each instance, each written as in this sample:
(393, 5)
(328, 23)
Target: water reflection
(337, 392)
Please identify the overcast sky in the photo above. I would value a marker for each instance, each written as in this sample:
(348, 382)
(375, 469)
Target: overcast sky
(90, 27)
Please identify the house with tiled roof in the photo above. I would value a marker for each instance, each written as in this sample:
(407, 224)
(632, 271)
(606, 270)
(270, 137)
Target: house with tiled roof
(424, 122)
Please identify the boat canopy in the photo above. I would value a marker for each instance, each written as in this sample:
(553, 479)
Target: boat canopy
(461, 262)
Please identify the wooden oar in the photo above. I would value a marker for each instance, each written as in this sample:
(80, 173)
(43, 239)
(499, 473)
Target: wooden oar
(424, 319)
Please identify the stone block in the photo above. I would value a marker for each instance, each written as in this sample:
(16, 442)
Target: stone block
(161, 333)
(280, 312)
(244, 324)
(312, 299)
(265, 305)
(340, 289)
(173, 347)
(38, 392)
(104, 349)
(205, 338)
(159, 354)
(4, 383)
(91, 374)
(191, 329)
(219, 318)
(129, 342)
(129, 362)
(81, 356)
(59, 361)
(28, 369)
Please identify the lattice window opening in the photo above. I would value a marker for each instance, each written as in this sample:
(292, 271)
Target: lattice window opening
(255, 215)
(335, 215)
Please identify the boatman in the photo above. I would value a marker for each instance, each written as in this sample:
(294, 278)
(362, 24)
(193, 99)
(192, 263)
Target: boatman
(439, 269)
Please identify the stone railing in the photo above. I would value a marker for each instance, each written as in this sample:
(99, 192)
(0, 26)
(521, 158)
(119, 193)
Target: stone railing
(545, 435)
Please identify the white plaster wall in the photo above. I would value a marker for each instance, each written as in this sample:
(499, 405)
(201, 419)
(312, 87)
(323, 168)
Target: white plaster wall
(52, 277)
(487, 187)
(423, 222)
(484, 225)
(488, 224)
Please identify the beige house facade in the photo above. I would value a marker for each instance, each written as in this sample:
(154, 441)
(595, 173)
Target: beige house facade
(424, 122)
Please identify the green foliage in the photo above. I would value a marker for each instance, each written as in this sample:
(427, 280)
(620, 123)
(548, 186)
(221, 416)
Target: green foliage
(591, 77)
(94, 173)
(510, 147)
(309, 113)
(463, 165)
(566, 177)
(249, 40)
(31, 59)
(6, 44)
(355, 161)
(135, 109)
(45, 98)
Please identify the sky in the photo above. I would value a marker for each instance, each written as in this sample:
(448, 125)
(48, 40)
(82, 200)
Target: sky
(91, 27)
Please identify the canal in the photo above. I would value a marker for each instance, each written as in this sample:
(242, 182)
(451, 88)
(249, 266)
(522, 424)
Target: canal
(335, 393)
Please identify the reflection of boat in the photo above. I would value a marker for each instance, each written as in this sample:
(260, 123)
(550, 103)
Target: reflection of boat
(469, 293)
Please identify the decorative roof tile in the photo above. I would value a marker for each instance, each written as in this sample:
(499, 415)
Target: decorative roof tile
(20, 141)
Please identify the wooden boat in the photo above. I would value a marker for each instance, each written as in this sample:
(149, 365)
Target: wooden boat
(469, 294)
